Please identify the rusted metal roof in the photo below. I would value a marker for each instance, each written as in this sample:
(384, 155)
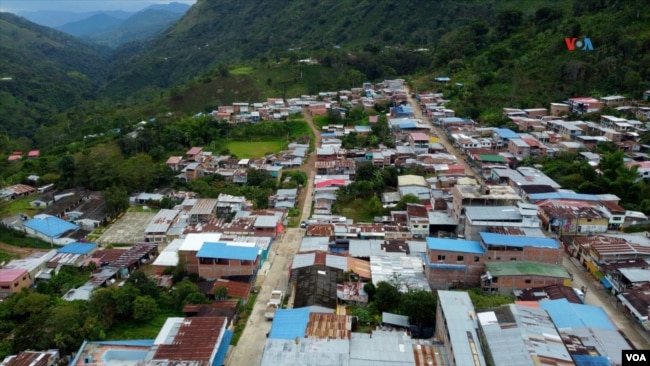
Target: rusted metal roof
(195, 340)
(331, 326)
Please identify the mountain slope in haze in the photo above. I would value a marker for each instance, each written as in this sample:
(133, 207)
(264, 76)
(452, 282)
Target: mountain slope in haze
(92, 25)
(44, 71)
(142, 25)
(54, 19)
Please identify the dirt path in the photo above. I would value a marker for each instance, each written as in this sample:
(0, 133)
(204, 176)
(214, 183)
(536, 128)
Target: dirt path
(15, 250)
(444, 140)
(250, 347)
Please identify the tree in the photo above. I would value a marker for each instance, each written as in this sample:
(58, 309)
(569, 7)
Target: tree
(386, 297)
(117, 200)
(370, 289)
(405, 200)
(145, 285)
(374, 206)
(419, 306)
(144, 308)
(220, 293)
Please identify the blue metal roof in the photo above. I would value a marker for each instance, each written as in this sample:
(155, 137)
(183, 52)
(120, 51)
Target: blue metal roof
(518, 241)
(454, 120)
(289, 323)
(407, 125)
(456, 245)
(506, 133)
(588, 360)
(220, 357)
(78, 248)
(569, 315)
(221, 250)
(50, 226)
(563, 195)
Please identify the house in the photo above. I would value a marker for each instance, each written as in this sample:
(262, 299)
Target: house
(519, 148)
(476, 195)
(456, 328)
(203, 210)
(174, 163)
(482, 218)
(216, 260)
(642, 170)
(156, 231)
(16, 191)
(13, 280)
(453, 262)
(35, 264)
(48, 228)
(418, 220)
(284, 198)
(521, 335)
(419, 142)
(415, 185)
(228, 204)
(193, 155)
(588, 332)
(33, 358)
(314, 286)
(572, 218)
(73, 254)
(500, 247)
(506, 276)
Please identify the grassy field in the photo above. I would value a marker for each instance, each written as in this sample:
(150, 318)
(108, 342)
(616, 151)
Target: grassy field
(255, 149)
(136, 330)
(357, 211)
(17, 206)
(20, 240)
(6, 257)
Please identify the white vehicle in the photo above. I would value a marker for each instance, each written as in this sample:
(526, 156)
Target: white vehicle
(273, 304)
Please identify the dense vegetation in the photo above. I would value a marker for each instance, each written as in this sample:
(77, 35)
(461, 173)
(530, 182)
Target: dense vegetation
(41, 319)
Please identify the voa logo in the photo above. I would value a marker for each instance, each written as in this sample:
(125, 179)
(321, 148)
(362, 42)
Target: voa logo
(583, 44)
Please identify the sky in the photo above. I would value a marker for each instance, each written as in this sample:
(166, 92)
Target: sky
(16, 6)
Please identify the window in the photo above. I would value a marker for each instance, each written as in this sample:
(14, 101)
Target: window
(476, 259)
(513, 259)
(528, 280)
(495, 279)
(498, 258)
(441, 258)
(460, 258)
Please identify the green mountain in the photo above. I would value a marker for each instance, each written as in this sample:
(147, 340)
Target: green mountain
(142, 25)
(42, 72)
(92, 25)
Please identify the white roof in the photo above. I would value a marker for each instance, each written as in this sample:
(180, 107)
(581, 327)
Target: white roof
(194, 242)
(168, 257)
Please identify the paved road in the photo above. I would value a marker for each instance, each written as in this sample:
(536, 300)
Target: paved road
(444, 140)
(250, 347)
(597, 295)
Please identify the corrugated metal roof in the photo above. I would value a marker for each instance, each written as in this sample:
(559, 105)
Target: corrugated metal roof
(336, 261)
(193, 242)
(50, 225)
(395, 319)
(169, 256)
(77, 248)
(455, 245)
(410, 269)
(266, 221)
(491, 213)
(382, 347)
(224, 251)
(306, 351)
(289, 324)
(162, 221)
(607, 342)
(310, 243)
(521, 335)
(329, 326)
(569, 315)
(204, 206)
(518, 241)
(461, 323)
(301, 260)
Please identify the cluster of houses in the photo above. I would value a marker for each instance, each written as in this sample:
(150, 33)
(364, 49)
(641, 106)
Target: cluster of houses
(18, 155)
(508, 235)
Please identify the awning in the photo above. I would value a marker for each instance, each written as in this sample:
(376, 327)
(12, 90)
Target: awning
(606, 283)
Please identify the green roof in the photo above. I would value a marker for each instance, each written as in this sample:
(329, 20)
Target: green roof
(516, 268)
(491, 158)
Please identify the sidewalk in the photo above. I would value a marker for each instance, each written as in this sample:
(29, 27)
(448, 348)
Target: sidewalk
(597, 295)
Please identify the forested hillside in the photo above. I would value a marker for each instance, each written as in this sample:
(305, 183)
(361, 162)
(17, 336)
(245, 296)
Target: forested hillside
(503, 53)
(43, 72)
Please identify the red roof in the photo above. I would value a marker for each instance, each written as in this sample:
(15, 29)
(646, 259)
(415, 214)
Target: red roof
(235, 289)
(174, 159)
(33, 153)
(373, 119)
(195, 150)
(419, 136)
(10, 275)
(332, 182)
(14, 157)
(532, 142)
